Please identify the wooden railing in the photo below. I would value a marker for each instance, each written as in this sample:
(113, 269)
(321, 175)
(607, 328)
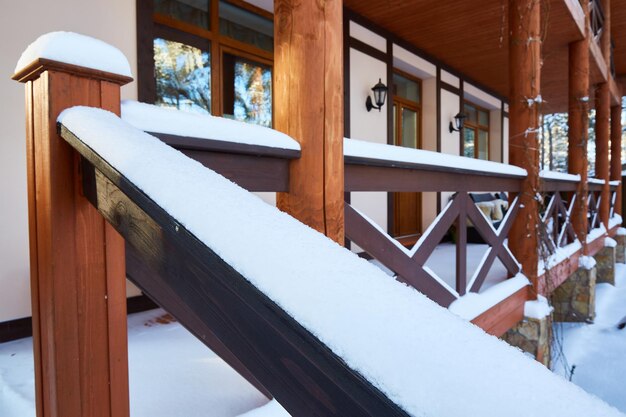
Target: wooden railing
(596, 19)
(363, 174)
(220, 306)
(558, 198)
(594, 203)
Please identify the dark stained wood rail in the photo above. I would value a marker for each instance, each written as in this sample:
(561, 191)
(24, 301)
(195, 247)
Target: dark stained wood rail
(204, 292)
(253, 167)
(367, 174)
(556, 229)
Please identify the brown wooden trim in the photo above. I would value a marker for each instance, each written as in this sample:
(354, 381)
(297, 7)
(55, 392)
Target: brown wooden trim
(35, 68)
(346, 77)
(367, 49)
(274, 347)
(595, 246)
(449, 87)
(216, 145)
(438, 111)
(395, 179)
(558, 274)
(251, 8)
(16, 329)
(146, 83)
(554, 185)
(504, 315)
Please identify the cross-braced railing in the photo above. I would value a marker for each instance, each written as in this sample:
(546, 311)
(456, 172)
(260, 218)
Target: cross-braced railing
(556, 230)
(409, 264)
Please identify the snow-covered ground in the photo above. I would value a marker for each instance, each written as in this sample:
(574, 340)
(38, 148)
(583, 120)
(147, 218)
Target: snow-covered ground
(598, 351)
(171, 374)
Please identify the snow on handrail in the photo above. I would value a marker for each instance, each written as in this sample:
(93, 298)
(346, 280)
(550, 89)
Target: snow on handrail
(378, 151)
(558, 176)
(151, 118)
(596, 181)
(417, 353)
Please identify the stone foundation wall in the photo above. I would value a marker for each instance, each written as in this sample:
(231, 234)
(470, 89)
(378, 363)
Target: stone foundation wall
(620, 250)
(575, 299)
(605, 263)
(532, 336)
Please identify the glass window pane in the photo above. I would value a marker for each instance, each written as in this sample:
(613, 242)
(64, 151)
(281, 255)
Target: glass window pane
(246, 26)
(406, 88)
(469, 136)
(483, 118)
(409, 128)
(483, 144)
(470, 112)
(247, 90)
(196, 12)
(183, 76)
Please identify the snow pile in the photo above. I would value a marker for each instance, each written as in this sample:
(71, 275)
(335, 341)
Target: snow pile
(371, 321)
(271, 409)
(559, 255)
(472, 304)
(371, 150)
(150, 118)
(596, 181)
(586, 262)
(614, 182)
(597, 350)
(73, 48)
(621, 231)
(538, 308)
(616, 220)
(555, 175)
(609, 243)
(596, 233)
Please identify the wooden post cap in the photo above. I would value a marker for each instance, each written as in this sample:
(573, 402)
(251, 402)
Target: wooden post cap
(73, 53)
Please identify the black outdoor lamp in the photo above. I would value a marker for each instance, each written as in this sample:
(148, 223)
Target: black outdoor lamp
(458, 122)
(380, 94)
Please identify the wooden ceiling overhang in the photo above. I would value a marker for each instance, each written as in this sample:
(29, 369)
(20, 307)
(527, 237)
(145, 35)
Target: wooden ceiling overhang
(472, 38)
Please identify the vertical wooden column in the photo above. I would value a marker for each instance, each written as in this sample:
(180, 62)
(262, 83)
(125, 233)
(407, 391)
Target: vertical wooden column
(603, 109)
(308, 106)
(77, 260)
(524, 111)
(616, 154)
(578, 125)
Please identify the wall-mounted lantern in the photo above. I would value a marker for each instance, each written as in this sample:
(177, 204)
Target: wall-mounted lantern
(459, 119)
(380, 95)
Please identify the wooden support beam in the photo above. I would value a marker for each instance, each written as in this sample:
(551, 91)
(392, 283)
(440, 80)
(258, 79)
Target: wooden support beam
(308, 98)
(603, 110)
(616, 153)
(77, 260)
(578, 125)
(524, 109)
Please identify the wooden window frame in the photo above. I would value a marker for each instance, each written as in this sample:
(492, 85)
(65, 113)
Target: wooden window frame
(151, 25)
(416, 106)
(476, 127)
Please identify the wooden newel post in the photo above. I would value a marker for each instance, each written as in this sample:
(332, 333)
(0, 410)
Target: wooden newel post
(616, 154)
(578, 126)
(76, 258)
(524, 111)
(308, 99)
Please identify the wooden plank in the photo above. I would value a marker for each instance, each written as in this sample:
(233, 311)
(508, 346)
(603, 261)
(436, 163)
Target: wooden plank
(616, 154)
(301, 372)
(309, 107)
(399, 179)
(504, 315)
(558, 274)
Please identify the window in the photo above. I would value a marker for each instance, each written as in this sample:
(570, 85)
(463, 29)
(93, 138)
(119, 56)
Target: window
(207, 56)
(476, 132)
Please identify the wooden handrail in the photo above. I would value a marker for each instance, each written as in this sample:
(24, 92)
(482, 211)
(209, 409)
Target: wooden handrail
(304, 375)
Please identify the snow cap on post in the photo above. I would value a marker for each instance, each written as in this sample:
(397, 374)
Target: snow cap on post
(73, 49)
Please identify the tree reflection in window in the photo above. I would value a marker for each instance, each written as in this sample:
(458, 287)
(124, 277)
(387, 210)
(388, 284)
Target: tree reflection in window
(183, 76)
(253, 92)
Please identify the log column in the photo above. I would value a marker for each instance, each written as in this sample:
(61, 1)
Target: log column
(578, 123)
(524, 102)
(603, 109)
(616, 154)
(76, 259)
(308, 98)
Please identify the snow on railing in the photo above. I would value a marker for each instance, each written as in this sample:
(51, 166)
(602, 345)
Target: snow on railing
(371, 322)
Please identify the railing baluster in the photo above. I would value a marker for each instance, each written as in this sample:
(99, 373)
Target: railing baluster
(461, 245)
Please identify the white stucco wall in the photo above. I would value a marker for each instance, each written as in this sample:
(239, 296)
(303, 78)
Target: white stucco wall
(21, 23)
(372, 126)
